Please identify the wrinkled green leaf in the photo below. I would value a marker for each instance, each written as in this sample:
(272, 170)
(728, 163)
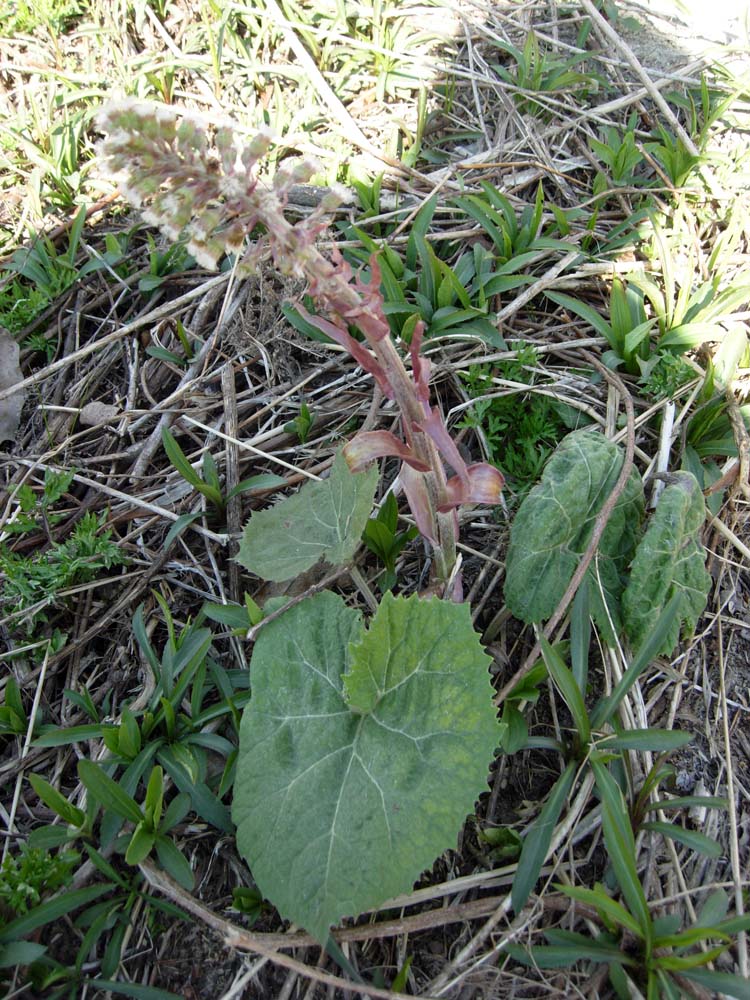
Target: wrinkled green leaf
(324, 520)
(669, 560)
(360, 752)
(553, 526)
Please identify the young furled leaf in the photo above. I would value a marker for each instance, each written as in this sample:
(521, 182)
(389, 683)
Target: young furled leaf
(669, 560)
(361, 753)
(554, 524)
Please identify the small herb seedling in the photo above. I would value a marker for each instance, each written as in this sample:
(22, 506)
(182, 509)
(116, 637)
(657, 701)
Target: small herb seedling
(384, 540)
(301, 425)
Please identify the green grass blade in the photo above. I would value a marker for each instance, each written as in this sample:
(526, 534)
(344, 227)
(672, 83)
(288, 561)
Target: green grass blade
(605, 709)
(601, 901)
(566, 684)
(75, 734)
(537, 840)
(725, 983)
(657, 740)
(135, 990)
(692, 839)
(57, 802)
(580, 635)
(179, 460)
(107, 792)
(620, 844)
(174, 862)
(52, 909)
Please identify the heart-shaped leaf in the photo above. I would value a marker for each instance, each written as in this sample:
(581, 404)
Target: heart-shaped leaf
(325, 520)
(361, 753)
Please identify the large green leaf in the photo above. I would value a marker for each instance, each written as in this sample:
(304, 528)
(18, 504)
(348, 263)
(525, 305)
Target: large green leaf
(553, 527)
(361, 753)
(324, 520)
(669, 560)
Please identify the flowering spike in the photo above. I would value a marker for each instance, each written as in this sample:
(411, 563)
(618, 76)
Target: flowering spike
(192, 175)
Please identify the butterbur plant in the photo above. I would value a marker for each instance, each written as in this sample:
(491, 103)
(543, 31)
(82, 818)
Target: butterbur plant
(165, 165)
(362, 748)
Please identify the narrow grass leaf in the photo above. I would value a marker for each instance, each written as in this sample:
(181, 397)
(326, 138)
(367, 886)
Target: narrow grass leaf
(57, 802)
(713, 909)
(691, 936)
(20, 953)
(693, 839)
(657, 740)
(46, 838)
(174, 862)
(725, 983)
(620, 844)
(203, 800)
(733, 925)
(182, 522)
(140, 845)
(107, 792)
(566, 684)
(75, 734)
(231, 615)
(139, 631)
(598, 949)
(647, 652)
(537, 840)
(263, 481)
(52, 909)
(604, 903)
(179, 460)
(591, 316)
(676, 963)
(580, 635)
(135, 990)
